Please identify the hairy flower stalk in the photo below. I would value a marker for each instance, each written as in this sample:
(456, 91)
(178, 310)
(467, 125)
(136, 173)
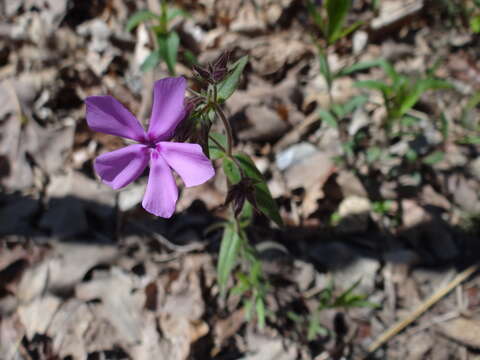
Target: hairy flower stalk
(121, 167)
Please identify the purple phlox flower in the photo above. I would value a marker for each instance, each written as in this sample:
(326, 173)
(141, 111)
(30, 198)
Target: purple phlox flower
(120, 167)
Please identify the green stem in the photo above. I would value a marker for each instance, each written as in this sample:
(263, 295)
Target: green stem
(228, 129)
(217, 143)
(164, 17)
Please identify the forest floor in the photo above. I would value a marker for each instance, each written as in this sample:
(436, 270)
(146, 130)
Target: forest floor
(375, 221)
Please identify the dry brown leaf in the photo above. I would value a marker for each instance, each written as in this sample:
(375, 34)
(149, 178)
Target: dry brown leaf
(462, 330)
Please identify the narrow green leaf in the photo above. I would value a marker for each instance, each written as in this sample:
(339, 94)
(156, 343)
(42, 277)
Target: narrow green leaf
(139, 17)
(231, 170)
(190, 57)
(354, 103)
(390, 70)
(473, 101)
(260, 307)
(337, 11)
(338, 110)
(361, 66)
(294, 317)
(470, 140)
(168, 48)
(316, 16)
(372, 85)
(246, 216)
(373, 154)
(434, 158)
(151, 61)
(227, 257)
(325, 67)
(265, 202)
(163, 17)
(475, 24)
(173, 12)
(230, 83)
(242, 285)
(419, 89)
(216, 152)
(248, 309)
(347, 31)
(342, 110)
(328, 118)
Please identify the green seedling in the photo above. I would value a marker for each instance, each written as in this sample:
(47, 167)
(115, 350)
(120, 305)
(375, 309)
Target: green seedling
(167, 41)
(327, 300)
(330, 18)
(401, 93)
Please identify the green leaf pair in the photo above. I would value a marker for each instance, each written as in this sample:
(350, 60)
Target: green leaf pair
(243, 165)
(228, 85)
(402, 93)
(227, 258)
(167, 42)
(332, 19)
(337, 112)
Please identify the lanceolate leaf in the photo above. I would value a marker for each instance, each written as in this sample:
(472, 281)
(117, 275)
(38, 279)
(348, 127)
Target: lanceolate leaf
(315, 14)
(228, 255)
(434, 158)
(231, 170)
(328, 118)
(346, 31)
(260, 307)
(139, 17)
(168, 48)
(151, 61)
(265, 202)
(420, 87)
(373, 85)
(216, 139)
(230, 83)
(324, 66)
(361, 66)
(172, 13)
(337, 11)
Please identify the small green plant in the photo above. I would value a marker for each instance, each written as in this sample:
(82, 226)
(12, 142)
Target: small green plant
(473, 14)
(328, 300)
(382, 207)
(330, 17)
(338, 116)
(401, 93)
(166, 40)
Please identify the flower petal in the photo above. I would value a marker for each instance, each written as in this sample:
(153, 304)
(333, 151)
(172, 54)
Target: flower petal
(105, 114)
(161, 195)
(168, 108)
(120, 167)
(188, 161)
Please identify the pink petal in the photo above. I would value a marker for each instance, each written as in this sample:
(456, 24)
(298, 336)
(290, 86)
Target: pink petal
(168, 108)
(188, 161)
(120, 167)
(105, 114)
(161, 195)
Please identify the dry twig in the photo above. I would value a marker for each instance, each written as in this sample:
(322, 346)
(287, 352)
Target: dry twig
(434, 298)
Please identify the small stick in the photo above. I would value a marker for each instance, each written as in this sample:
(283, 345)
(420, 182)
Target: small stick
(435, 297)
(167, 243)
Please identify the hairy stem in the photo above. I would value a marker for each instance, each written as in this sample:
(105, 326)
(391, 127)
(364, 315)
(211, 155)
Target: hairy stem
(228, 129)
